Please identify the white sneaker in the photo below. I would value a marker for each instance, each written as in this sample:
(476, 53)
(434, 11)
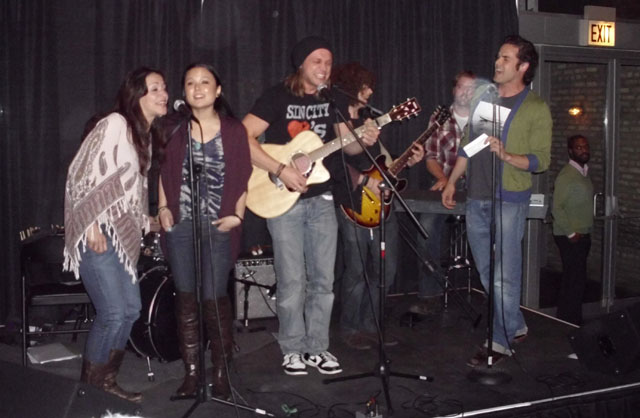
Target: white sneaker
(293, 365)
(325, 362)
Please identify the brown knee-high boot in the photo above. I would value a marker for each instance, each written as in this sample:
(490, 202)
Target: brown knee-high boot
(103, 376)
(187, 318)
(111, 371)
(221, 343)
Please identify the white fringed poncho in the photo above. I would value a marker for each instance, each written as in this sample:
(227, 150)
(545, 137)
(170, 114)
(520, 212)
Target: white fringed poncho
(104, 184)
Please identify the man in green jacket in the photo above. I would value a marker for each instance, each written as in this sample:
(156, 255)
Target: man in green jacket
(520, 138)
(572, 222)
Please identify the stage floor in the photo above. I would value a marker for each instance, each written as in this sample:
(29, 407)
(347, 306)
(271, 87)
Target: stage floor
(437, 346)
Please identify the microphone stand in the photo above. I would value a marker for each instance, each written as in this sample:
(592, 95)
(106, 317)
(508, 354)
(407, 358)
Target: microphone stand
(490, 376)
(203, 393)
(383, 367)
(373, 110)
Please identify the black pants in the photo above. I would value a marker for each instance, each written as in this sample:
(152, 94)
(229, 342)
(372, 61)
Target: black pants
(574, 277)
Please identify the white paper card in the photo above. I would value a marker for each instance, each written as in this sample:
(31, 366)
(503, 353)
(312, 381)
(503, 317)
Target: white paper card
(483, 117)
(50, 352)
(477, 145)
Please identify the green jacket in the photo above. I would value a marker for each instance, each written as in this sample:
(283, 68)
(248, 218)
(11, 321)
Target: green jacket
(527, 131)
(572, 202)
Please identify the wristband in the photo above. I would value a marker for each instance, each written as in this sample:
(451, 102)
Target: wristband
(279, 170)
(161, 208)
(238, 216)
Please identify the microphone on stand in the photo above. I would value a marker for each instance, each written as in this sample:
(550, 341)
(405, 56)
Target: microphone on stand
(325, 93)
(489, 91)
(181, 107)
(371, 111)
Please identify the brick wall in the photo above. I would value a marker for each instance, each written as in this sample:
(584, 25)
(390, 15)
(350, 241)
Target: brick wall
(585, 85)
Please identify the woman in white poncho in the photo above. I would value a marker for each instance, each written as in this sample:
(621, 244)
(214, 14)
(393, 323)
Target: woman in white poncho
(106, 210)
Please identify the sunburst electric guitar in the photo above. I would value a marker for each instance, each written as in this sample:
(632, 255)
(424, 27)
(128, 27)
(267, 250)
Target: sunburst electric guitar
(268, 197)
(369, 215)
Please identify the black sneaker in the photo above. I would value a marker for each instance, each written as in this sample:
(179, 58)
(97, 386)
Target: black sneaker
(293, 365)
(325, 362)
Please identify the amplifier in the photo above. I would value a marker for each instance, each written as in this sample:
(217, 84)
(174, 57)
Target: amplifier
(255, 288)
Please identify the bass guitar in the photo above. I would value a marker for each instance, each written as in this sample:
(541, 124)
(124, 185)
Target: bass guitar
(369, 215)
(268, 197)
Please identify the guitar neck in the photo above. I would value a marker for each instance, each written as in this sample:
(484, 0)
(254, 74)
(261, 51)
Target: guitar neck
(400, 163)
(341, 142)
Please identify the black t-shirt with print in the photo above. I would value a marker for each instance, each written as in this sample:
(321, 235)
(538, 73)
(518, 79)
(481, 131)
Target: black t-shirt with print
(288, 115)
(479, 166)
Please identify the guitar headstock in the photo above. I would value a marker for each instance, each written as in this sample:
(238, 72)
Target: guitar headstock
(441, 114)
(409, 108)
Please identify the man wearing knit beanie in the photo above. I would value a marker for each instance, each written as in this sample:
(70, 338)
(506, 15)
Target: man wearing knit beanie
(305, 47)
(305, 235)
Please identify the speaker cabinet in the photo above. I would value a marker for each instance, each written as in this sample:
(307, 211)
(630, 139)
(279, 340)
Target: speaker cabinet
(27, 392)
(610, 344)
(255, 288)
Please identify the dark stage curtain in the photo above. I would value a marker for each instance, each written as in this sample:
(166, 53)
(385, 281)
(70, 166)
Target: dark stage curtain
(62, 61)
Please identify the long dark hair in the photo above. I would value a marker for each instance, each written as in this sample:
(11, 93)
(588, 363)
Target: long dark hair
(127, 104)
(221, 105)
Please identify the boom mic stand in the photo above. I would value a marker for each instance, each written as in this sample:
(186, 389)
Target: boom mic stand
(383, 367)
(490, 376)
(203, 393)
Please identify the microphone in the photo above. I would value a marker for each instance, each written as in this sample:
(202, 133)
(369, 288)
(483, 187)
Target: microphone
(181, 107)
(325, 93)
(489, 91)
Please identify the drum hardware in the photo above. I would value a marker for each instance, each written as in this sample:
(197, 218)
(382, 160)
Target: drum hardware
(154, 334)
(458, 255)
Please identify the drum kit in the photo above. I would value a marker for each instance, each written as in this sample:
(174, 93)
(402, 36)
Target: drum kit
(154, 334)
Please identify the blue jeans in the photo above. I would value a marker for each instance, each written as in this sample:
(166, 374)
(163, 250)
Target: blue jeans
(428, 282)
(507, 318)
(362, 250)
(304, 248)
(215, 253)
(115, 298)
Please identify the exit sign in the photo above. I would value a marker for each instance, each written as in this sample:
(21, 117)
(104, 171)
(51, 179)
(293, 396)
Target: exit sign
(597, 33)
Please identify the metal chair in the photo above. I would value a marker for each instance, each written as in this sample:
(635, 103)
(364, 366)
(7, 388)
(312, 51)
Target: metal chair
(45, 284)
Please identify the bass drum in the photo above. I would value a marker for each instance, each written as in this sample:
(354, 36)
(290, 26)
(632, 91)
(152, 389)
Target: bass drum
(154, 334)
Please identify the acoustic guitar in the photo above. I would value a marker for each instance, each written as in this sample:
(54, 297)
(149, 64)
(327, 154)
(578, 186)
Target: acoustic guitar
(268, 197)
(369, 215)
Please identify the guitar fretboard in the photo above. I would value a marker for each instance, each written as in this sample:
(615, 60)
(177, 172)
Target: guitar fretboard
(338, 143)
(399, 164)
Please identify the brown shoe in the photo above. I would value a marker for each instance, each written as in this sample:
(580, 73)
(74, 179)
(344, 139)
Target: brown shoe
(357, 341)
(389, 339)
(427, 306)
(481, 358)
(219, 324)
(109, 383)
(187, 321)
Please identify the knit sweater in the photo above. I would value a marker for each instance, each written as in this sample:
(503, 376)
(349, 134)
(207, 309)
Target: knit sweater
(572, 202)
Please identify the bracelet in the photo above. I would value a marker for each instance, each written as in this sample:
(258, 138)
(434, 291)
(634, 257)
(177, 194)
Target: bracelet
(161, 208)
(279, 170)
(238, 216)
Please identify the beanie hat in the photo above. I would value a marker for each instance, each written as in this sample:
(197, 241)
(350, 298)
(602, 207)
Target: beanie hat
(305, 47)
